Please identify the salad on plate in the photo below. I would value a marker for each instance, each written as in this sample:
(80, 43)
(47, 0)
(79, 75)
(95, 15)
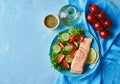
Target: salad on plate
(73, 50)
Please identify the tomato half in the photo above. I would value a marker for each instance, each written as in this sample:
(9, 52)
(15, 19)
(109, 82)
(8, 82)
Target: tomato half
(81, 37)
(65, 64)
(60, 58)
(72, 39)
(74, 46)
(60, 44)
(73, 52)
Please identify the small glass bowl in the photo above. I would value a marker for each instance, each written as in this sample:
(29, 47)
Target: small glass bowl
(51, 21)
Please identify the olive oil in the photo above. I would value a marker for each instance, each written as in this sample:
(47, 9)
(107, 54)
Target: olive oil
(69, 15)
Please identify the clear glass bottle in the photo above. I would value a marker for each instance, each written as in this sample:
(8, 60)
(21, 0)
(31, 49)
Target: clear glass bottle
(69, 15)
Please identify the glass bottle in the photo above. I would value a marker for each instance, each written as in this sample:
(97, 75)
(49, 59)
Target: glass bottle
(69, 15)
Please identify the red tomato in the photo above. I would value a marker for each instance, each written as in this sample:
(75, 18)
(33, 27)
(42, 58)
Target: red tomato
(65, 64)
(98, 25)
(81, 37)
(60, 44)
(68, 43)
(72, 39)
(60, 58)
(93, 8)
(104, 33)
(91, 18)
(101, 15)
(74, 46)
(73, 52)
(108, 23)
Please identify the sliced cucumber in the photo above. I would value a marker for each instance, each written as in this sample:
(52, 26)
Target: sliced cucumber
(56, 48)
(68, 59)
(69, 48)
(65, 36)
(65, 52)
(72, 31)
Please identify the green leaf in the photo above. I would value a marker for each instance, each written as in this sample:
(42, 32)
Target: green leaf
(80, 31)
(72, 31)
(65, 52)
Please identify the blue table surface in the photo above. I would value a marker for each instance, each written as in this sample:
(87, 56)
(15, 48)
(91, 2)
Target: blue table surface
(25, 42)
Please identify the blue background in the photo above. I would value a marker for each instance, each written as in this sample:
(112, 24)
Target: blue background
(25, 42)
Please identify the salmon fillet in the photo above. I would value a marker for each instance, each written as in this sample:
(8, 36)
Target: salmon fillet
(81, 56)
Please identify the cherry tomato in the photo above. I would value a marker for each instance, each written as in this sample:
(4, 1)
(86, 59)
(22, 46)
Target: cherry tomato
(91, 18)
(60, 58)
(74, 46)
(107, 23)
(98, 25)
(93, 8)
(101, 15)
(104, 33)
(65, 64)
(72, 39)
(60, 44)
(81, 37)
(73, 52)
